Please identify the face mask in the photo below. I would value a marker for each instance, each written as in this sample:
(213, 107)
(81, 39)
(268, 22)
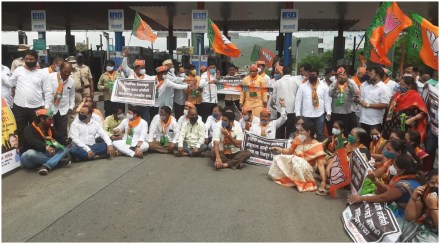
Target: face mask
(129, 116)
(277, 76)
(264, 122)
(193, 120)
(225, 125)
(434, 189)
(164, 77)
(193, 72)
(259, 70)
(302, 137)
(313, 79)
(185, 112)
(212, 71)
(31, 65)
(389, 154)
(49, 124)
(336, 131)
(403, 89)
(163, 118)
(74, 65)
(57, 69)
(351, 138)
(393, 170)
(375, 137)
(298, 127)
(246, 117)
(216, 116)
(332, 78)
(396, 88)
(142, 71)
(172, 70)
(82, 117)
(120, 116)
(109, 68)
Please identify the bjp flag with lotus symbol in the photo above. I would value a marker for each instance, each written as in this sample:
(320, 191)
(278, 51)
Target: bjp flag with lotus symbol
(340, 175)
(220, 43)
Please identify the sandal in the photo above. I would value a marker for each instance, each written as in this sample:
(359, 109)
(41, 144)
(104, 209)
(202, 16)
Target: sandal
(321, 192)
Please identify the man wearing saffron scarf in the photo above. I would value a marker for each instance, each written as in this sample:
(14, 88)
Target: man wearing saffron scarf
(105, 84)
(248, 120)
(267, 127)
(55, 67)
(41, 145)
(164, 132)
(254, 98)
(133, 143)
(227, 142)
(64, 96)
(261, 68)
(185, 117)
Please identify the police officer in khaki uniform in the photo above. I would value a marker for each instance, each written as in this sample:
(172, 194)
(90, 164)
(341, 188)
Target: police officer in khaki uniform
(82, 76)
(18, 62)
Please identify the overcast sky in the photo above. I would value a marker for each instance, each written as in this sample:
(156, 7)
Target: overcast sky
(57, 38)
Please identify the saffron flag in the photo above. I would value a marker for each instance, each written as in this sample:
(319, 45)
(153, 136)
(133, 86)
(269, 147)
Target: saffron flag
(388, 23)
(423, 41)
(340, 175)
(261, 53)
(142, 30)
(220, 43)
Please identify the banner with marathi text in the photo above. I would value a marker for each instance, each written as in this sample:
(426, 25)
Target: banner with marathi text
(135, 92)
(260, 147)
(10, 151)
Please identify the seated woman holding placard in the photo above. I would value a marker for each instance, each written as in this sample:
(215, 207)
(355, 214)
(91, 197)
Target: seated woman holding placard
(401, 186)
(296, 164)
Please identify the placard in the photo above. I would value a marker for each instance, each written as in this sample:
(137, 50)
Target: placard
(38, 20)
(230, 84)
(199, 23)
(116, 20)
(371, 222)
(289, 20)
(260, 147)
(359, 170)
(10, 150)
(136, 92)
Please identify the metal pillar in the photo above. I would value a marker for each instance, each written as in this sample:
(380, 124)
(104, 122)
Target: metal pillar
(287, 50)
(119, 41)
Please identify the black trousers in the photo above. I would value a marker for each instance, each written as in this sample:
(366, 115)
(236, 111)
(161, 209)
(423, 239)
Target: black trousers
(206, 110)
(153, 112)
(23, 117)
(60, 124)
(349, 121)
(178, 110)
(287, 128)
(110, 107)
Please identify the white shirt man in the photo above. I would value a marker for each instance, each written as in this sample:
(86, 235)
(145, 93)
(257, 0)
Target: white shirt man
(248, 119)
(68, 94)
(373, 94)
(6, 86)
(209, 93)
(192, 137)
(303, 101)
(185, 118)
(271, 126)
(132, 139)
(166, 91)
(236, 132)
(286, 88)
(171, 132)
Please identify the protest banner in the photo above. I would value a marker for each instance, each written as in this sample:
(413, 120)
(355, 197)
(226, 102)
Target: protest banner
(135, 92)
(260, 148)
(340, 168)
(230, 84)
(10, 153)
(359, 169)
(370, 222)
(432, 106)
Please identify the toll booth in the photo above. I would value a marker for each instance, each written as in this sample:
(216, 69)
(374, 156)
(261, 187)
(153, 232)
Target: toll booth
(58, 51)
(96, 62)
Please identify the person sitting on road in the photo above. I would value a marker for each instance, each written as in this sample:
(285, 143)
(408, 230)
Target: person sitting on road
(302, 158)
(248, 120)
(413, 139)
(112, 121)
(83, 133)
(211, 122)
(330, 144)
(96, 115)
(191, 136)
(421, 213)
(397, 194)
(133, 142)
(227, 140)
(377, 143)
(41, 145)
(164, 132)
(267, 127)
(185, 116)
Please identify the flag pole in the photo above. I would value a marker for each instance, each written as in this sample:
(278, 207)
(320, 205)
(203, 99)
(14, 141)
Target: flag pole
(402, 57)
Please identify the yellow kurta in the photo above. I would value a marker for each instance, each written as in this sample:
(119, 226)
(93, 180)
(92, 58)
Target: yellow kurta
(254, 100)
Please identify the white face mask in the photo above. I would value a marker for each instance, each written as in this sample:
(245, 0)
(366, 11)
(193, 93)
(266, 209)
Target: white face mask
(393, 170)
(109, 68)
(259, 70)
(246, 117)
(302, 137)
(129, 116)
(336, 131)
(164, 77)
(142, 71)
(57, 69)
(298, 127)
(172, 70)
(120, 116)
(185, 112)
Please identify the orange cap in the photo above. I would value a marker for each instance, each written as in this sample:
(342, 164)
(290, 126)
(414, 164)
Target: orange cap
(253, 68)
(162, 68)
(362, 70)
(43, 111)
(265, 111)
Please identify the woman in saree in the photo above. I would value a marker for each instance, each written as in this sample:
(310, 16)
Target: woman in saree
(421, 213)
(401, 186)
(407, 110)
(297, 164)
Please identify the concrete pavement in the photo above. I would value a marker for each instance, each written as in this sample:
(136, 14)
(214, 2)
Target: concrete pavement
(163, 198)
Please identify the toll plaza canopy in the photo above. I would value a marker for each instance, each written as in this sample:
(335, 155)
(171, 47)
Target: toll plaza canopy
(235, 16)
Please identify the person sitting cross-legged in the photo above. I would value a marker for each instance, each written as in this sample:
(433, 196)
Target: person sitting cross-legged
(133, 143)
(163, 132)
(41, 145)
(83, 133)
(191, 136)
(112, 121)
(227, 140)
